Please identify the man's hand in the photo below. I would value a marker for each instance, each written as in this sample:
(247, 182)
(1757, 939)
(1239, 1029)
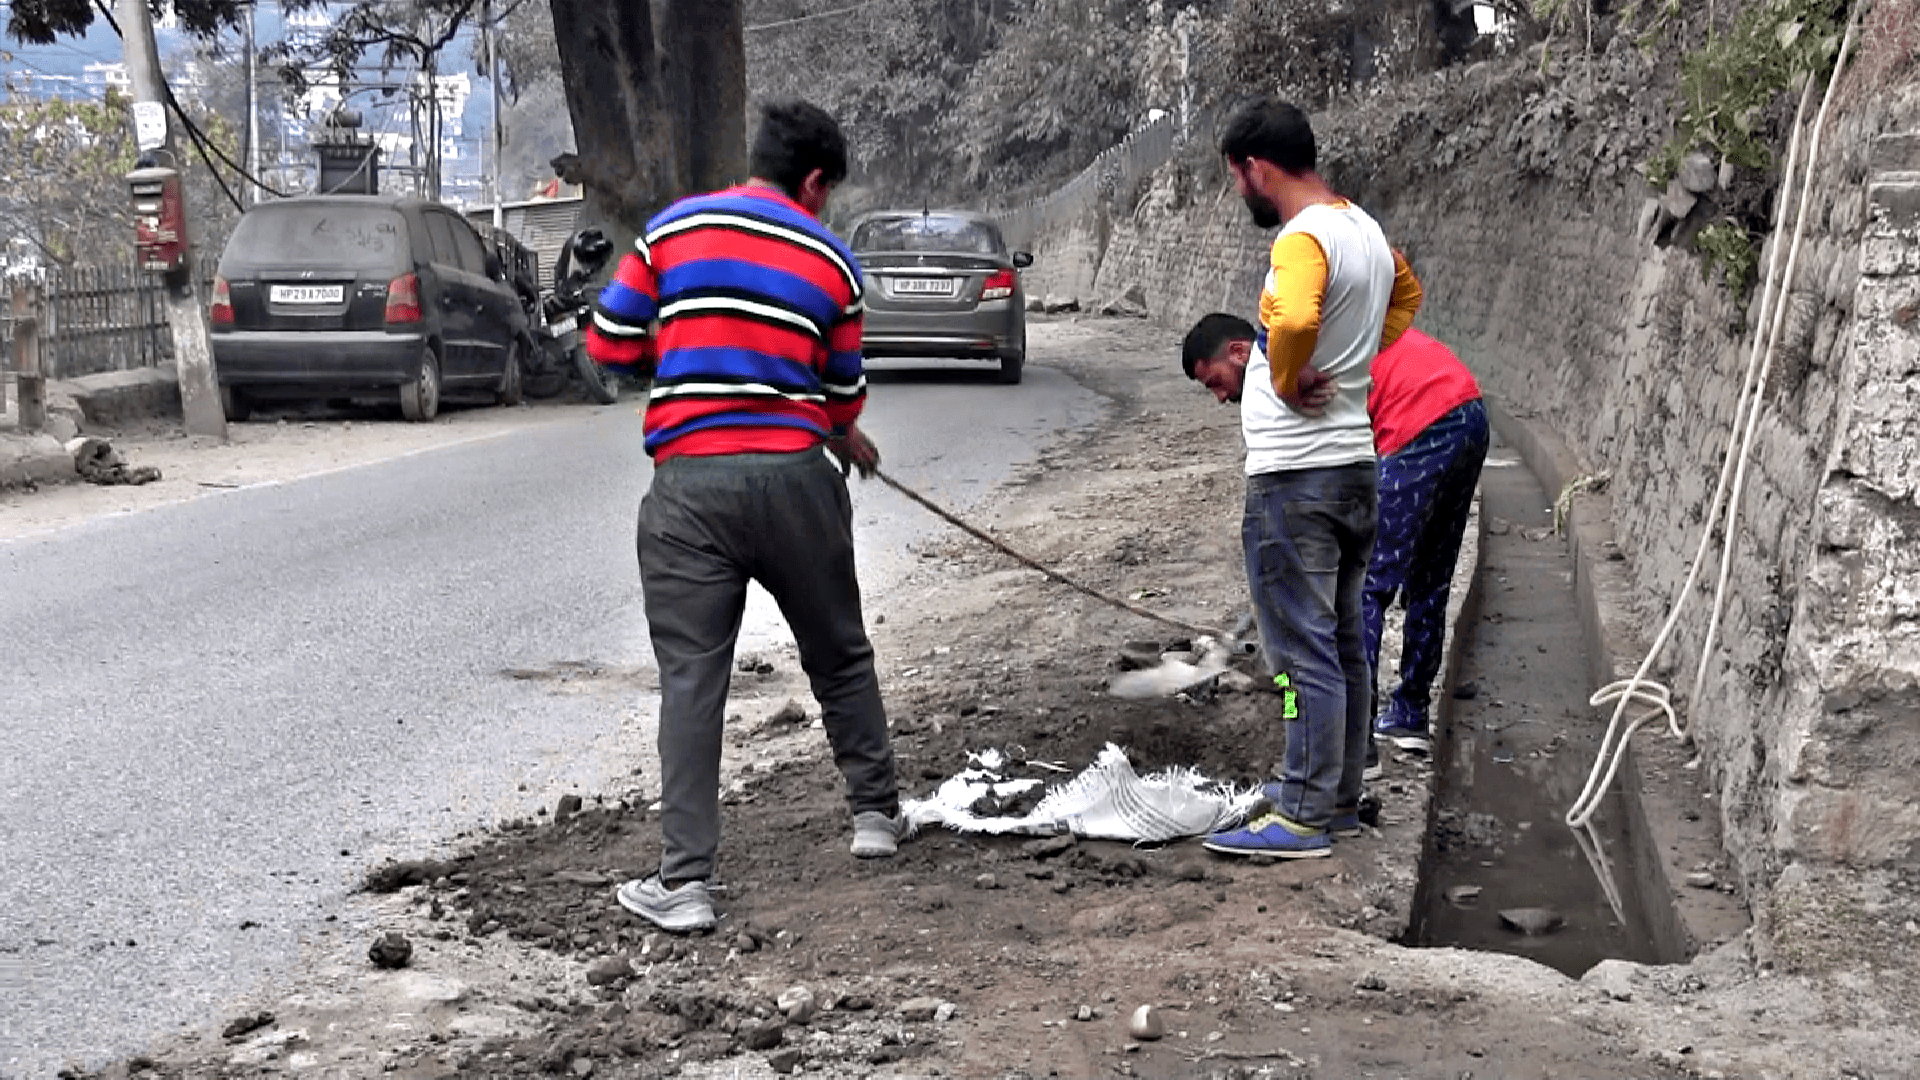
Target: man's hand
(1312, 391)
(855, 451)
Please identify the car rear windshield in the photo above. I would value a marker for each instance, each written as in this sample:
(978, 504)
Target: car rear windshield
(927, 232)
(323, 237)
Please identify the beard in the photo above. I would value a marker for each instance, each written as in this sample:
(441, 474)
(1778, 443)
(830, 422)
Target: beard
(1265, 214)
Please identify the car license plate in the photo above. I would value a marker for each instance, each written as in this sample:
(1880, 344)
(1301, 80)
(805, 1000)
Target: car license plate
(307, 294)
(565, 325)
(924, 286)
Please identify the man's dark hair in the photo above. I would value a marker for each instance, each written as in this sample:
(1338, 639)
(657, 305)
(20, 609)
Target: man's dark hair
(1210, 335)
(795, 138)
(1271, 130)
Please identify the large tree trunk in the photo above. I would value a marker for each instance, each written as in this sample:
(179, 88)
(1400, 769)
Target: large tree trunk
(703, 61)
(627, 150)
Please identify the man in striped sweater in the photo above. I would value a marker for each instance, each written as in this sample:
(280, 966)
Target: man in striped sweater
(749, 311)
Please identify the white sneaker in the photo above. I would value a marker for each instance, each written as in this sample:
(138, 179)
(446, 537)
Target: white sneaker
(680, 910)
(877, 836)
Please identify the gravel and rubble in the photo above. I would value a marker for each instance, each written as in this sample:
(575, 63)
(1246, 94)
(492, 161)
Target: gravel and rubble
(971, 956)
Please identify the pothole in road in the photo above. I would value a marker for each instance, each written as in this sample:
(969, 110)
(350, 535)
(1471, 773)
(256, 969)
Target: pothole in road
(1501, 871)
(582, 676)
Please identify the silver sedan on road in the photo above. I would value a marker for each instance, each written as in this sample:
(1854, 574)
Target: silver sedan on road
(941, 283)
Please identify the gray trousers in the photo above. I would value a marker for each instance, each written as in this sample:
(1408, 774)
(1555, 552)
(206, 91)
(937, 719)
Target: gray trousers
(708, 526)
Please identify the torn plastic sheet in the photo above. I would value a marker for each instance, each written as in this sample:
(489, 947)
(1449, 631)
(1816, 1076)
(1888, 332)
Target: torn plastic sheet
(1106, 801)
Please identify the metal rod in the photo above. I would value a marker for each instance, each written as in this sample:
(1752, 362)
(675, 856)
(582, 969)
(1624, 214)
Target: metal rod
(1033, 564)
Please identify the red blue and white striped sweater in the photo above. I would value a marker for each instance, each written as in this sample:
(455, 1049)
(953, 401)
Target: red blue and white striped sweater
(759, 309)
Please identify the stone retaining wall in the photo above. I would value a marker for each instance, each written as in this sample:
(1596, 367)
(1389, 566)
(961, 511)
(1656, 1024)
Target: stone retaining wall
(1516, 196)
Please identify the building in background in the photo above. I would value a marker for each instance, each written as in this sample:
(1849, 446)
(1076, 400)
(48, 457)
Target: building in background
(426, 127)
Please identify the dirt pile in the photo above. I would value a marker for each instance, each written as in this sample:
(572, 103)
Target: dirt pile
(1005, 957)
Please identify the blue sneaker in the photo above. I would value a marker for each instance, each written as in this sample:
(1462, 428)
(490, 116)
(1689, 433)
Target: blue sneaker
(1272, 834)
(1409, 735)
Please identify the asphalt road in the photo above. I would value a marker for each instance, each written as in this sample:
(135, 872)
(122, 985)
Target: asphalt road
(219, 714)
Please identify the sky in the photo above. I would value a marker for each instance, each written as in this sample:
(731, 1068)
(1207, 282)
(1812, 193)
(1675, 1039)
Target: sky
(69, 56)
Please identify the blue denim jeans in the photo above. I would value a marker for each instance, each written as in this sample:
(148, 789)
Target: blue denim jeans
(1426, 496)
(1308, 534)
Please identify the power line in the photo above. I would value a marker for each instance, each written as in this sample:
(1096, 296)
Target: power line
(810, 18)
(63, 43)
(200, 141)
(206, 147)
(68, 80)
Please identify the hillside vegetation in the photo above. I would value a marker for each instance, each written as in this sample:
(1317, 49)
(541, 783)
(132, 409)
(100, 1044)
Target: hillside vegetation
(953, 99)
(986, 102)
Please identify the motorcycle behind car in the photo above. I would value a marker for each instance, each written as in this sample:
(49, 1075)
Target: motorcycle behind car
(556, 353)
(561, 353)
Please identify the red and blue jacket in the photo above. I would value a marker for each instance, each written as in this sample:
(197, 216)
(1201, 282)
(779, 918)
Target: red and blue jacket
(758, 310)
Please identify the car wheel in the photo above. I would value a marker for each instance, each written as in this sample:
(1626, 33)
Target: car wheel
(511, 392)
(550, 376)
(1011, 365)
(420, 399)
(234, 403)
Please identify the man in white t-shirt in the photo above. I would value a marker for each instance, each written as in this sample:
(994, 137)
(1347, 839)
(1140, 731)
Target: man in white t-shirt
(1333, 292)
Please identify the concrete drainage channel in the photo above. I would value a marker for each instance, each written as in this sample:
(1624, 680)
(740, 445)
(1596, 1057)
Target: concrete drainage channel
(1500, 869)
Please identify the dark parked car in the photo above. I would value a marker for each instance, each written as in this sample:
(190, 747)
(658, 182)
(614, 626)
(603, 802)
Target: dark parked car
(344, 296)
(942, 284)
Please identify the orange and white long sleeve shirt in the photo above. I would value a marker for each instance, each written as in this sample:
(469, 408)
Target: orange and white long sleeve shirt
(1334, 292)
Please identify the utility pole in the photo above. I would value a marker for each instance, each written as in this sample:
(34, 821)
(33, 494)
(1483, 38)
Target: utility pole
(192, 352)
(251, 187)
(493, 83)
(433, 126)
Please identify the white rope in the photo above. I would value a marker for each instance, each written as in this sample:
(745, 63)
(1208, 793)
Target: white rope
(1639, 689)
(1766, 368)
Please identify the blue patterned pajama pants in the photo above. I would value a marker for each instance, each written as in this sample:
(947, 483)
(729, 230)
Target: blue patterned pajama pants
(1426, 495)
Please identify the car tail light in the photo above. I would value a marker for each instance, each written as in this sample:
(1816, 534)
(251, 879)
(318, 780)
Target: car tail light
(403, 299)
(999, 286)
(220, 312)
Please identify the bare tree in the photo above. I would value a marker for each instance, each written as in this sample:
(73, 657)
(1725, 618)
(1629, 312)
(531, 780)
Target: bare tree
(629, 160)
(704, 63)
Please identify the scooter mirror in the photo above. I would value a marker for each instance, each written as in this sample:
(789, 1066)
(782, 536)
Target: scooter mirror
(591, 247)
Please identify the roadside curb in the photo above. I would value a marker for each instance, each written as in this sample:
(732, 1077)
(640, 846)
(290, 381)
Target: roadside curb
(1463, 605)
(1654, 768)
(122, 397)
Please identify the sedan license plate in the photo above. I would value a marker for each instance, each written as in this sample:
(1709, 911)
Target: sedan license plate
(566, 325)
(925, 286)
(307, 294)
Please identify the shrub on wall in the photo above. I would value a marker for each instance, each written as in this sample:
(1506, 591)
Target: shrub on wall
(1306, 51)
(1726, 84)
(1732, 92)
